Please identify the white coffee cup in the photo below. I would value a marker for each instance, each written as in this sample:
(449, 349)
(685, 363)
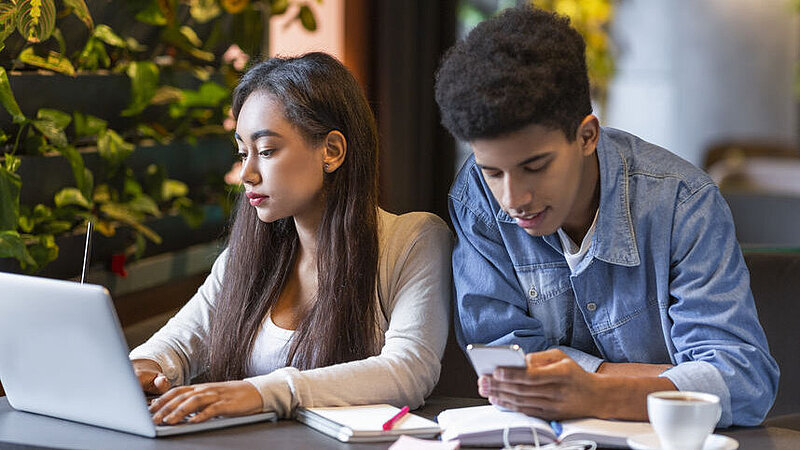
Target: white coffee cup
(681, 419)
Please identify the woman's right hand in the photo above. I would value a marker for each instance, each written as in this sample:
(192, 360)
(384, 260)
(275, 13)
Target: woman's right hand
(150, 376)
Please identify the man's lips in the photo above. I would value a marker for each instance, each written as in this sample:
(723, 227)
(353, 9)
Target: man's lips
(529, 220)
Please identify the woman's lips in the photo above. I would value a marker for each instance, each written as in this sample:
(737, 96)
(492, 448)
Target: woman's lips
(255, 199)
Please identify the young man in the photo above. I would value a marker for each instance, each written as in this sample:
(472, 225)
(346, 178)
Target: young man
(611, 261)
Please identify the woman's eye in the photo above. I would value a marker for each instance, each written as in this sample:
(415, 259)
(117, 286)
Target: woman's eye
(242, 156)
(266, 152)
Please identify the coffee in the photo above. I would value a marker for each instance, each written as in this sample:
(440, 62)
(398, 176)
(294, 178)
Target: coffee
(684, 398)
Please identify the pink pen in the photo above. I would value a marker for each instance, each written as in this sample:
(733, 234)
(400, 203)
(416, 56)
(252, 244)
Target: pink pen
(390, 423)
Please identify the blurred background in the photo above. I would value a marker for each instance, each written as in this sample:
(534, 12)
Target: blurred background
(117, 112)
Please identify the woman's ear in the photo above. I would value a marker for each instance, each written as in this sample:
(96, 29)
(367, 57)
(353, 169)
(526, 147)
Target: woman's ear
(334, 151)
(588, 134)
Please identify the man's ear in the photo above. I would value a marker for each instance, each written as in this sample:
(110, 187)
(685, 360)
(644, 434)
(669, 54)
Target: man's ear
(588, 133)
(334, 151)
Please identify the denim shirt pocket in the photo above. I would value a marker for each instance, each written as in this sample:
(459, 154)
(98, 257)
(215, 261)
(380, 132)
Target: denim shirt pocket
(550, 297)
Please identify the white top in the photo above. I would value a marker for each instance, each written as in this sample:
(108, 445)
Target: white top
(413, 296)
(572, 252)
(270, 348)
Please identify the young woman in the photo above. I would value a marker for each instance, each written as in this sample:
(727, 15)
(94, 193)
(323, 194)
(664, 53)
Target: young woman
(321, 298)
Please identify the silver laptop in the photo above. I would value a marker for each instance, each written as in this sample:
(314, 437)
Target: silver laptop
(63, 354)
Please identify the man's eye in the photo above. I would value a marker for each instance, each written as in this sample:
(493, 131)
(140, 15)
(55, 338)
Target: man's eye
(492, 173)
(536, 169)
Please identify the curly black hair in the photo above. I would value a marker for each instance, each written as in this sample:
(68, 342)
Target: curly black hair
(521, 67)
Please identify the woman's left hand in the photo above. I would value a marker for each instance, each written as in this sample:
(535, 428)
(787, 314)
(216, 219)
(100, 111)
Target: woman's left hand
(229, 398)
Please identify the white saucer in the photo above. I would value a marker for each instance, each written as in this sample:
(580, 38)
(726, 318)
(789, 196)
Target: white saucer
(650, 441)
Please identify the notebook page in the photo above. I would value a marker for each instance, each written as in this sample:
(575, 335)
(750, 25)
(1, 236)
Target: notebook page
(370, 418)
(609, 432)
(480, 422)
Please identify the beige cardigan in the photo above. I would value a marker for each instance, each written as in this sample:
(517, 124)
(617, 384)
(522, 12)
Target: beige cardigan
(413, 295)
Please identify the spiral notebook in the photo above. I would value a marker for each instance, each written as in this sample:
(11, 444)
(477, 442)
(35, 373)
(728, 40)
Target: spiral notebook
(483, 426)
(365, 423)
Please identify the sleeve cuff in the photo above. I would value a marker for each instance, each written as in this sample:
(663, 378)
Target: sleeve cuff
(587, 362)
(170, 365)
(701, 376)
(277, 391)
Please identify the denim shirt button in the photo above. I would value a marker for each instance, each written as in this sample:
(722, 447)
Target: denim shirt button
(532, 292)
(591, 306)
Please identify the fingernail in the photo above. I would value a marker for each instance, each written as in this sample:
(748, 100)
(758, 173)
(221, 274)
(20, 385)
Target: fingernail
(499, 374)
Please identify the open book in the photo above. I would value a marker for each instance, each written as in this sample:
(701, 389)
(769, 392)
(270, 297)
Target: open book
(365, 423)
(484, 425)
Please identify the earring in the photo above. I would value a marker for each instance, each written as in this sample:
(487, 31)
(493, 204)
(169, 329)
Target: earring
(327, 167)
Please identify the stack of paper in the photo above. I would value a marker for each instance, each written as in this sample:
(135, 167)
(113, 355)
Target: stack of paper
(365, 423)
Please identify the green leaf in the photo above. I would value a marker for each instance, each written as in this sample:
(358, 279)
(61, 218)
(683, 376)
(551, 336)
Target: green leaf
(278, 7)
(83, 177)
(87, 124)
(10, 184)
(62, 43)
(12, 246)
(54, 61)
(93, 55)
(134, 45)
(8, 19)
(8, 100)
(125, 215)
(3, 137)
(191, 36)
(152, 15)
(177, 38)
(306, 17)
(59, 118)
(144, 204)
(51, 124)
(173, 188)
(44, 250)
(81, 11)
(36, 19)
(112, 147)
(11, 162)
(144, 83)
(71, 196)
(107, 35)
(209, 94)
(204, 10)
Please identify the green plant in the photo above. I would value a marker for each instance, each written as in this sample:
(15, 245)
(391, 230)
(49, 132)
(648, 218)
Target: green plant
(190, 37)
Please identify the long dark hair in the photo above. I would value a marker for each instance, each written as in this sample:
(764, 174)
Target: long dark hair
(318, 95)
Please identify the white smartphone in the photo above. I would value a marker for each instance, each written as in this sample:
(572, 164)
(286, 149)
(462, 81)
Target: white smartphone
(485, 358)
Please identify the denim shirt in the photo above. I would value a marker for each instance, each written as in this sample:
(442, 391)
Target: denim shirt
(664, 280)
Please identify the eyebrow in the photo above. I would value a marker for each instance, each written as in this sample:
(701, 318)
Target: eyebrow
(256, 135)
(521, 163)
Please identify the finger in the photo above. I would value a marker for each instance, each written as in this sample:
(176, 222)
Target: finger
(546, 374)
(165, 406)
(190, 405)
(212, 410)
(545, 357)
(161, 384)
(547, 391)
(484, 385)
(529, 405)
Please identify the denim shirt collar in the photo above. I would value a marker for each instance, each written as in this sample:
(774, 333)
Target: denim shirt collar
(615, 239)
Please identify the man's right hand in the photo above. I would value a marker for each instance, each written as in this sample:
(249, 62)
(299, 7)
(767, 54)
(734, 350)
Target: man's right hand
(150, 376)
